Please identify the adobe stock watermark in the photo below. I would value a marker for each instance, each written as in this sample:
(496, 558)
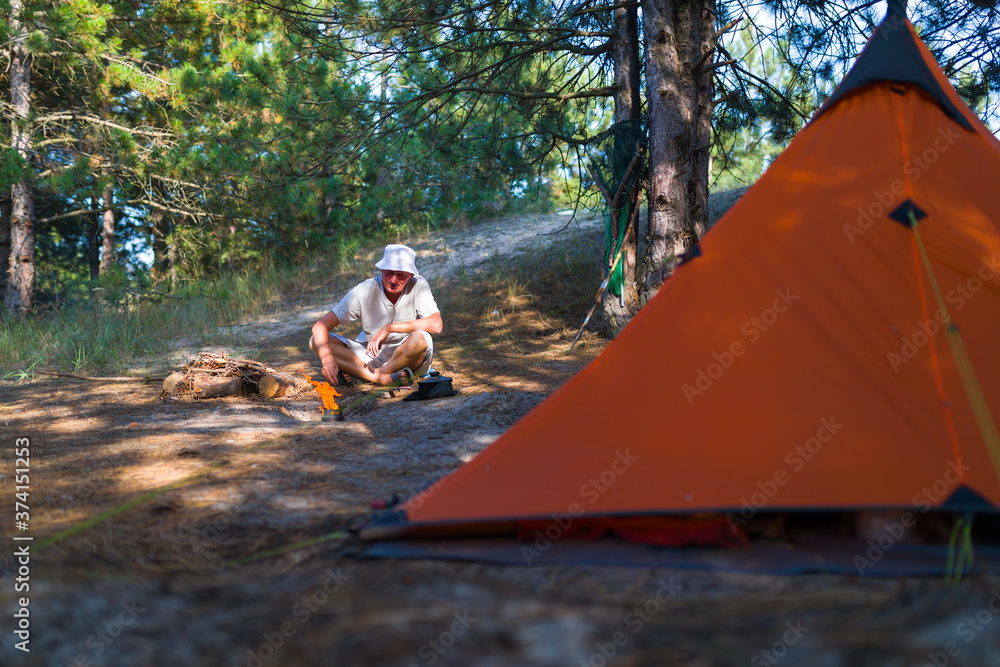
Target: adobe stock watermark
(635, 621)
(885, 201)
(778, 649)
(301, 612)
(590, 491)
(752, 330)
(957, 297)
(431, 650)
(967, 630)
(894, 531)
(104, 637)
(797, 457)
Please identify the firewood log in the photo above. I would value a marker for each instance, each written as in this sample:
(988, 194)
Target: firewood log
(207, 386)
(281, 384)
(171, 384)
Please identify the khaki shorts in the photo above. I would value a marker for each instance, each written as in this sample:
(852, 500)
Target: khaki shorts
(361, 352)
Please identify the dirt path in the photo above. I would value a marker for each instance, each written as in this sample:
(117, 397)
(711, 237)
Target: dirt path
(464, 250)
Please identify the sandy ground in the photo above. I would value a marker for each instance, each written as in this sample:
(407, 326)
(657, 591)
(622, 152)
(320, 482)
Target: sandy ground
(178, 493)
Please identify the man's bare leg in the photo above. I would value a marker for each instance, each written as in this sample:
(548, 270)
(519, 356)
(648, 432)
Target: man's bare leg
(347, 361)
(408, 355)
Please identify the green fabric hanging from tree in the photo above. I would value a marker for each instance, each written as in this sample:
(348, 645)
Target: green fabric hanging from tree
(611, 153)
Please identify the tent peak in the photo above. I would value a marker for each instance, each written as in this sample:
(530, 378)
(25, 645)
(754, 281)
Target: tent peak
(893, 55)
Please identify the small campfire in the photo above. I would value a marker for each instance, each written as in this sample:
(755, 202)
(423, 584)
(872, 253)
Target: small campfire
(329, 395)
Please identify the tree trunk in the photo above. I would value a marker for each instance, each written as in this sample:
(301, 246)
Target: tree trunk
(625, 57)
(21, 286)
(108, 231)
(172, 260)
(625, 53)
(94, 242)
(107, 216)
(677, 37)
(329, 196)
(161, 251)
(4, 241)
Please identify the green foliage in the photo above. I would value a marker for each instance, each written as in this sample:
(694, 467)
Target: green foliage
(12, 167)
(236, 133)
(756, 124)
(108, 325)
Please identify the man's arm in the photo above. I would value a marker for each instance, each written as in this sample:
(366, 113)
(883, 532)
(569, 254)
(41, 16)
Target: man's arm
(321, 345)
(432, 324)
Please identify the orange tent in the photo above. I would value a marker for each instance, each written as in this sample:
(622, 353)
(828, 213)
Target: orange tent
(797, 359)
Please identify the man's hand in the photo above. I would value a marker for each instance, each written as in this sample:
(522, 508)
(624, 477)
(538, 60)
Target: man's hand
(330, 370)
(320, 344)
(375, 342)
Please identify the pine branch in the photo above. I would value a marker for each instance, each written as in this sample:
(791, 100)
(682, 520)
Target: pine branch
(95, 120)
(73, 214)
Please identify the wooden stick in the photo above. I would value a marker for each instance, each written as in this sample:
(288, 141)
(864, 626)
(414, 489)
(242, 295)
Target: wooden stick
(721, 63)
(612, 201)
(628, 172)
(244, 363)
(147, 378)
(256, 364)
(729, 26)
(604, 285)
(705, 56)
(244, 376)
(618, 194)
(715, 38)
(600, 186)
(725, 98)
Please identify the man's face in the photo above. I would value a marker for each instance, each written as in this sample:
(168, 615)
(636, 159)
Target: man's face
(393, 282)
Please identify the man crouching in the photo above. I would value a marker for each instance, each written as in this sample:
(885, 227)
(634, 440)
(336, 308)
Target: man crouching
(398, 314)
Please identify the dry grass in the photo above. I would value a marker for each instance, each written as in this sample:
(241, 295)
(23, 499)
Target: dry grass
(527, 303)
(109, 329)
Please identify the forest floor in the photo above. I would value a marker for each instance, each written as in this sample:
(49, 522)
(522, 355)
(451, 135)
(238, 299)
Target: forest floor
(153, 507)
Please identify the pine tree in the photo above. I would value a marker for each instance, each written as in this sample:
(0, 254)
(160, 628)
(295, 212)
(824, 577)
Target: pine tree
(21, 283)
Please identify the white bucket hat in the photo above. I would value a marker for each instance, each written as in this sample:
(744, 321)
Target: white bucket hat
(398, 257)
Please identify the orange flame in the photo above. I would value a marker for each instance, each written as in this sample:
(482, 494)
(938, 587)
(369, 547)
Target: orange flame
(326, 392)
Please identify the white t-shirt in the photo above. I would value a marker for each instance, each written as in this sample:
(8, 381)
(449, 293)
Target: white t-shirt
(367, 302)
